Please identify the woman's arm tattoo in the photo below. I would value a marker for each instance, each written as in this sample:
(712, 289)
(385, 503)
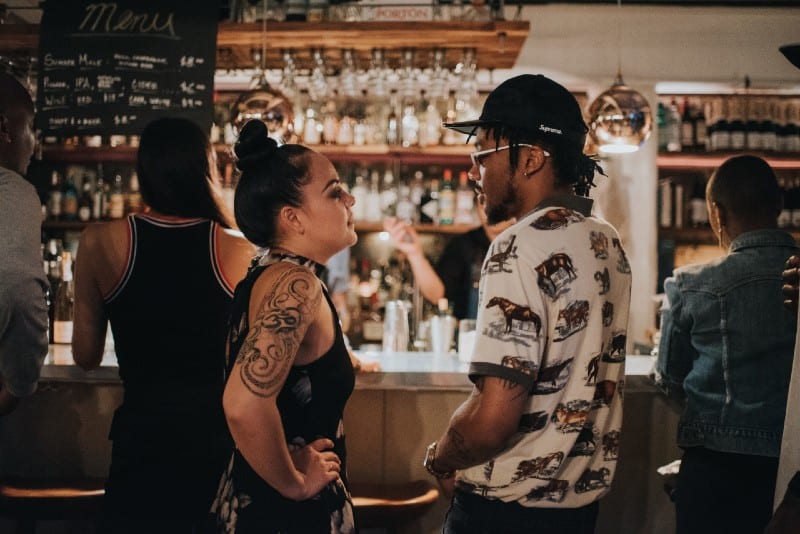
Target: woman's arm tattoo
(274, 338)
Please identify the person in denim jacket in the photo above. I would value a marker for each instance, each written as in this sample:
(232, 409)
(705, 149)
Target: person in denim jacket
(727, 346)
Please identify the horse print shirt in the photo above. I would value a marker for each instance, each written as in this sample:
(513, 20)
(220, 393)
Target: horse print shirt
(552, 316)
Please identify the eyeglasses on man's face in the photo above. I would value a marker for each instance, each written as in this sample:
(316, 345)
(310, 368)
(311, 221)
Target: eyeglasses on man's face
(478, 156)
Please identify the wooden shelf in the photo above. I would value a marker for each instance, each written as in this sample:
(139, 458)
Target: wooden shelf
(361, 227)
(711, 160)
(497, 44)
(441, 155)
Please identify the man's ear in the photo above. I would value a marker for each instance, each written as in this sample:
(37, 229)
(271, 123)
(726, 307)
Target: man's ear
(533, 162)
(721, 214)
(289, 216)
(5, 130)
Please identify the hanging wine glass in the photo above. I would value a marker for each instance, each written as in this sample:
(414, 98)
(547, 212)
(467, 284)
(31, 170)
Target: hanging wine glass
(318, 83)
(348, 78)
(377, 82)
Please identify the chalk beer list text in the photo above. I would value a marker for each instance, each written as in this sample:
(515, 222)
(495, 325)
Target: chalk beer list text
(111, 67)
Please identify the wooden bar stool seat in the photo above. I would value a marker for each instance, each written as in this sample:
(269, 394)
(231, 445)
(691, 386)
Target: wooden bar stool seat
(28, 500)
(390, 506)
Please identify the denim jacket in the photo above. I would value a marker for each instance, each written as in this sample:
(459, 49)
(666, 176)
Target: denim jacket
(727, 345)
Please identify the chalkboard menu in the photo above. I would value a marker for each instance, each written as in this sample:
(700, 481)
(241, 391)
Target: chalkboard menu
(112, 67)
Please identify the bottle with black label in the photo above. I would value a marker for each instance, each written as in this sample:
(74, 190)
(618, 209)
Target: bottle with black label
(698, 210)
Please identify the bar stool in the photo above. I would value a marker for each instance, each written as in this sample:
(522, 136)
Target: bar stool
(27, 500)
(390, 506)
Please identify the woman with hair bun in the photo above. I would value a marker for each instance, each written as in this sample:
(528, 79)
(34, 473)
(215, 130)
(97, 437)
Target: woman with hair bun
(289, 371)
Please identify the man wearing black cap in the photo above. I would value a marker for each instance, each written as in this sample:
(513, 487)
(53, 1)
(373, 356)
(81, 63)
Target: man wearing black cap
(535, 446)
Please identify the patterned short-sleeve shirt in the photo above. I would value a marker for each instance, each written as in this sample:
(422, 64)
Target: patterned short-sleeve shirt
(552, 316)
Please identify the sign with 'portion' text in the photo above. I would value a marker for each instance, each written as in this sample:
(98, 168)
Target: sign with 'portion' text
(112, 67)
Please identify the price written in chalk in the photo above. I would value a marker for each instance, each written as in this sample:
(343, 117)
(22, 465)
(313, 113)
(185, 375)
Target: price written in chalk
(191, 61)
(191, 103)
(123, 119)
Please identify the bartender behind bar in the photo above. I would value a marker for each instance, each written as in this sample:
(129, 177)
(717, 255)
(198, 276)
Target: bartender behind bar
(458, 271)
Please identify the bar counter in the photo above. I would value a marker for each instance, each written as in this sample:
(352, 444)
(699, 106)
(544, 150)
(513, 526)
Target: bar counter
(390, 419)
(399, 370)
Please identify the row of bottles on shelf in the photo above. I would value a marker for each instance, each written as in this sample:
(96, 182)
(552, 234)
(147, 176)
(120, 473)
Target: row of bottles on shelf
(61, 293)
(87, 196)
(729, 122)
(679, 207)
(82, 194)
(414, 199)
(399, 120)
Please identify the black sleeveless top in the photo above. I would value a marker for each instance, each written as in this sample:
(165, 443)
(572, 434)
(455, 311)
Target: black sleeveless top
(169, 316)
(311, 404)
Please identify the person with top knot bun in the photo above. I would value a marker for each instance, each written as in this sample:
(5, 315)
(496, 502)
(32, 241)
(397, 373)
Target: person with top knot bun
(289, 374)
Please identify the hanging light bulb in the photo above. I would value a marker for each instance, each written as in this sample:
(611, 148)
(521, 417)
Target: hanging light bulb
(264, 102)
(620, 120)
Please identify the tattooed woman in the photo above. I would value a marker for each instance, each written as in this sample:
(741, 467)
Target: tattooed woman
(289, 372)
(165, 281)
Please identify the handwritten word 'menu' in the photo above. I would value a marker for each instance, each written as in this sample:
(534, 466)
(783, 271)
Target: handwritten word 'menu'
(103, 17)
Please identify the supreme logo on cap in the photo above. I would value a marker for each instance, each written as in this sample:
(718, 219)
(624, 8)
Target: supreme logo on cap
(548, 129)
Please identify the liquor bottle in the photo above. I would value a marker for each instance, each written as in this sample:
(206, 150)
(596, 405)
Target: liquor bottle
(374, 213)
(687, 126)
(69, 200)
(52, 269)
(85, 200)
(417, 192)
(63, 305)
(754, 139)
(737, 124)
(451, 137)
(359, 192)
(405, 209)
(700, 128)
(465, 200)
(312, 129)
(388, 194)
(54, 195)
(720, 131)
(393, 127)
(409, 125)
(698, 210)
(429, 209)
(116, 200)
(769, 139)
(662, 125)
(447, 199)
(99, 199)
(673, 127)
(431, 128)
(133, 197)
(330, 122)
(679, 214)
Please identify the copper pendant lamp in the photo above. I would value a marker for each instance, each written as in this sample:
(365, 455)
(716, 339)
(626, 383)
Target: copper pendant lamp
(264, 102)
(620, 120)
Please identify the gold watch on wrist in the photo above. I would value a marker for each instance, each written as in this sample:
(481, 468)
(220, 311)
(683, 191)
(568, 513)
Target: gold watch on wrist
(430, 456)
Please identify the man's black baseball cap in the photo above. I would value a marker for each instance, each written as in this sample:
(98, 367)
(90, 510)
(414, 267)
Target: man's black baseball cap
(534, 103)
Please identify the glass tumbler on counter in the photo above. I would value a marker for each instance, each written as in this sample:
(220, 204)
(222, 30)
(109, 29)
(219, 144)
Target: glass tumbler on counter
(443, 329)
(466, 339)
(395, 327)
